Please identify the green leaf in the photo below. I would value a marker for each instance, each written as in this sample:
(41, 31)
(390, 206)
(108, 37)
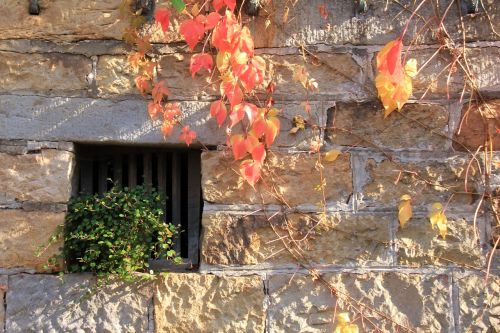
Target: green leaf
(179, 5)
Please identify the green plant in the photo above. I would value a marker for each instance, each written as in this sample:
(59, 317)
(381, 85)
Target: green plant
(117, 232)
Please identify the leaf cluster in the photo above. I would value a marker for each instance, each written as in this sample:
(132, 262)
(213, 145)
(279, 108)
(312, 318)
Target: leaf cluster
(117, 232)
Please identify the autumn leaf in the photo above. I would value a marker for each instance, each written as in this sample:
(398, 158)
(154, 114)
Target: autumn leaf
(171, 111)
(162, 16)
(332, 155)
(272, 130)
(218, 4)
(154, 109)
(438, 219)
(405, 210)
(166, 128)
(193, 31)
(199, 61)
(345, 325)
(239, 146)
(142, 83)
(233, 93)
(212, 20)
(159, 91)
(259, 153)
(393, 82)
(323, 11)
(218, 111)
(250, 171)
(226, 33)
(187, 135)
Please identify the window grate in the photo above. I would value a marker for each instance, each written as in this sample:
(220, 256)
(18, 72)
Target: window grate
(175, 172)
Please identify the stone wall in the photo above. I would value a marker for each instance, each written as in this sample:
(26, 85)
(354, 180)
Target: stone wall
(64, 80)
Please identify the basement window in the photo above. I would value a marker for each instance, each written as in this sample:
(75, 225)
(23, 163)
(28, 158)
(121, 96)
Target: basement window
(175, 172)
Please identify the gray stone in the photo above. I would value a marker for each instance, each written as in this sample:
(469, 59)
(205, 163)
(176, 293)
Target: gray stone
(47, 303)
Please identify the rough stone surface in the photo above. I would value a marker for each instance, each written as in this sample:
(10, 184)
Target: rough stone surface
(207, 303)
(295, 179)
(343, 74)
(253, 239)
(3, 289)
(471, 132)
(44, 73)
(425, 178)
(479, 304)
(419, 245)
(44, 176)
(47, 303)
(366, 126)
(299, 304)
(23, 234)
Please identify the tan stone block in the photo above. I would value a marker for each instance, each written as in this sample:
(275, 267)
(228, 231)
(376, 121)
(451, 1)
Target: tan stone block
(425, 179)
(46, 73)
(364, 125)
(207, 303)
(419, 245)
(43, 177)
(471, 132)
(479, 304)
(23, 233)
(294, 177)
(342, 239)
(300, 304)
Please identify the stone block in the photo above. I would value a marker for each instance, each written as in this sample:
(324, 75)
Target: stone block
(477, 123)
(426, 178)
(207, 303)
(419, 245)
(50, 73)
(43, 177)
(364, 125)
(300, 304)
(294, 177)
(296, 23)
(479, 303)
(341, 239)
(48, 303)
(23, 234)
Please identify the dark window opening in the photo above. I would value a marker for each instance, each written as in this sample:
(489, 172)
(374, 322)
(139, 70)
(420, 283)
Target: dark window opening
(175, 172)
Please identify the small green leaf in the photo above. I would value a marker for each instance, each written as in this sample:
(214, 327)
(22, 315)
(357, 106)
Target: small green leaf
(179, 5)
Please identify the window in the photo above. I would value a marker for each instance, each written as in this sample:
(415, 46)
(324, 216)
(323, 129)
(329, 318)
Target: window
(175, 172)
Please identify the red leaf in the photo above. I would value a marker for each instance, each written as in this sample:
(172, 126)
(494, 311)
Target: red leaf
(166, 128)
(239, 146)
(233, 92)
(251, 142)
(159, 90)
(218, 111)
(218, 4)
(193, 31)
(259, 153)
(199, 61)
(226, 33)
(154, 109)
(187, 136)
(142, 83)
(212, 20)
(250, 171)
(171, 111)
(259, 127)
(323, 11)
(162, 16)
(237, 114)
(272, 130)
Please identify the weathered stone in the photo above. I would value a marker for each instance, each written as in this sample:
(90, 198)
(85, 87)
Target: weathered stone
(300, 304)
(479, 303)
(341, 239)
(45, 73)
(343, 24)
(343, 77)
(24, 234)
(364, 125)
(294, 177)
(425, 178)
(419, 245)
(47, 303)
(44, 177)
(434, 78)
(207, 303)
(471, 132)
(3, 289)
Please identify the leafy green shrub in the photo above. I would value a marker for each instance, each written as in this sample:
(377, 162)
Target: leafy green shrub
(117, 232)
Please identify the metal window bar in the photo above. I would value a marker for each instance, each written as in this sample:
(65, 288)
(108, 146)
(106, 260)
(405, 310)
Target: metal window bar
(177, 173)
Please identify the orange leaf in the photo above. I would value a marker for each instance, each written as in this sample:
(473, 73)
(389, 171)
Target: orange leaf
(159, 90)
(162, 16)
(259, 153)
(171, 111)
(212, 20)
(233, 92)
(199, 61)
(259, 127)
(226, 32)
(166, 128)
(218, 4)
(237, 114)
(239, 146)
(154, 109)
(218, 111)
(142, 83)
(187, 135)
(250, 171)
(193, 31)
(272, 130)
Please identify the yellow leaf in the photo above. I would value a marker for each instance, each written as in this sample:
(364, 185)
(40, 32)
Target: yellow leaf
(343, 318)
(438, 218)
(344, 325)
(405, 211)
(195, 10)
(332, 155)
(411, 67)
